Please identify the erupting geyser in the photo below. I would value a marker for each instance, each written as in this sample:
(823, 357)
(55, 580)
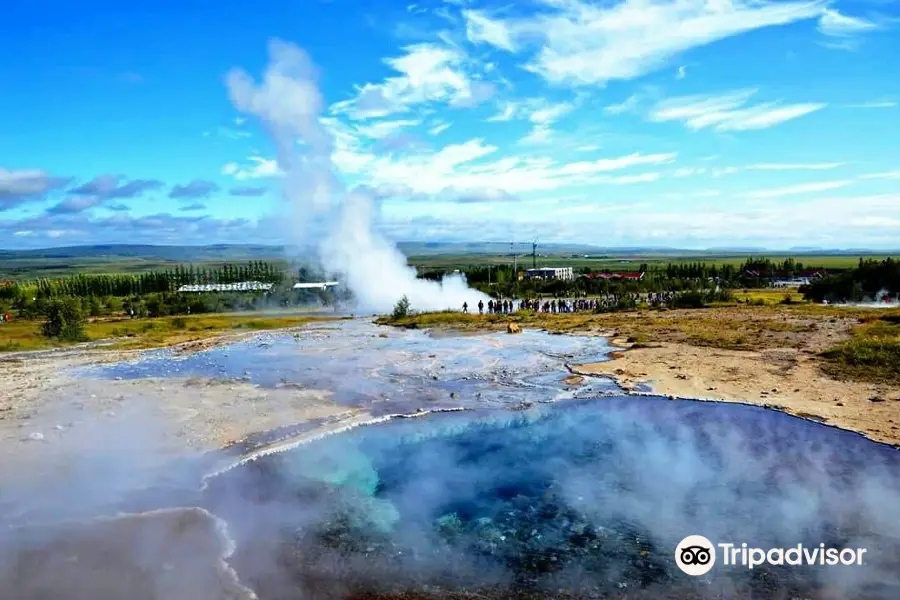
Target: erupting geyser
(289, 105)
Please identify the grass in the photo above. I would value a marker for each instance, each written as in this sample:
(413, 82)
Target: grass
(131, 334)
(631, 263)
(737, 327)
(871, 354)
(769, 296)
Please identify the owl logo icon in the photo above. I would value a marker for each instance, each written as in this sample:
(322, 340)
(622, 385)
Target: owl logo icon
(695, 555)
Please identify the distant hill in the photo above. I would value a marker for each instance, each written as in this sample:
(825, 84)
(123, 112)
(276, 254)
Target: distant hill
(165, 253)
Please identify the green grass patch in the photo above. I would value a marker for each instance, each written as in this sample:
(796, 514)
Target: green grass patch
(872, 354)
(131, 334)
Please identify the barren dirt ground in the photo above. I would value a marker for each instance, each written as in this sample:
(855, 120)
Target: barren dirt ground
(47, 418)
(785, 375)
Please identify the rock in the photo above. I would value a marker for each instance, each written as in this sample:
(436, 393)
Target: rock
(513, 328)
(876, 399)
(839, 404)
(34, 437)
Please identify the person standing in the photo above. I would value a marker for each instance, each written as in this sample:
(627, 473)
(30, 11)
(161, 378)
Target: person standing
(481, 307)
(465, 307)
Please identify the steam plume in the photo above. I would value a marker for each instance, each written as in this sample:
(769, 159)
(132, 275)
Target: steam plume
(288, 102)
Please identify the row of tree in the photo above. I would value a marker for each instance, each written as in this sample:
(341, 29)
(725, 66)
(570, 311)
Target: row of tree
(870, 280)
(83, 285)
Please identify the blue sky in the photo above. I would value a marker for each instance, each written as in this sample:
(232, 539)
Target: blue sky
(678, 123)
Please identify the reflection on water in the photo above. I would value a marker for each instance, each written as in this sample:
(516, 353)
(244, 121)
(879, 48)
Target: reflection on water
(363, 363)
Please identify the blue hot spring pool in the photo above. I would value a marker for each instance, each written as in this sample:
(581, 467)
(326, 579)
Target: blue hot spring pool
(582, 499)
(539, 489)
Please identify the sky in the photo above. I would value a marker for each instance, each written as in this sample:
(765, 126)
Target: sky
(685, 123)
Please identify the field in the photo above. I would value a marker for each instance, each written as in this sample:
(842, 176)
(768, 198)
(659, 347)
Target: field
(61, 262)
(631, 263)
(132, 334)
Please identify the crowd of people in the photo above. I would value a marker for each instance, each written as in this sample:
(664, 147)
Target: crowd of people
(572, 305)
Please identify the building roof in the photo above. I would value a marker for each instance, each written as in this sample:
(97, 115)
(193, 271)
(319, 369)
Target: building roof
(243, 286)
(618, 275)
(318, 285)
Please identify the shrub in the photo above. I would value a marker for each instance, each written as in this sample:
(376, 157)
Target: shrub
(95, 309)
(401, 309)
(179, 323)
(691, 299)
(64, 320)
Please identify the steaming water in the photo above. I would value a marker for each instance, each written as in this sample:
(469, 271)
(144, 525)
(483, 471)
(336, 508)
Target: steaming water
(398, 373)
(587, 496)
(288, 104)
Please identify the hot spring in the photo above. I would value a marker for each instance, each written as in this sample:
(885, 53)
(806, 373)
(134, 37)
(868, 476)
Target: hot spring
(535, 489)
(586, 499)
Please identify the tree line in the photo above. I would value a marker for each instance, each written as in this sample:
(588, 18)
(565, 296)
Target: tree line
(161, 281)
(869, 280)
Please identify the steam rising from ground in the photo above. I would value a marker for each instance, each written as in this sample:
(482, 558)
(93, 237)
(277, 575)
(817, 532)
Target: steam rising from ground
(288, 103)
(883, 299)
(587, 498)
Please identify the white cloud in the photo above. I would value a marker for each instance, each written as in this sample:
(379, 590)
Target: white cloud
(835, 24)
(886, 175)
(682, 72)
(802, 188)
(550, 113)
(874, 104)
(582, 43)
(720, 171)
(382, 129)
(542, 117)
(480, 28)
(539, 134)
(728, 112)
(439, 127)
(509, 111)
(258, 168)
(794, 166)
(629, 105)
(464, 167)
(427, 73)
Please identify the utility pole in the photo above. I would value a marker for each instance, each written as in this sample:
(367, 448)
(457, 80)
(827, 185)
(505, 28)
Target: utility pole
(515, 270)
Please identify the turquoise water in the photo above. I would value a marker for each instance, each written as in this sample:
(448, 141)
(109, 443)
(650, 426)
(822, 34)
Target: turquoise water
(587, 496)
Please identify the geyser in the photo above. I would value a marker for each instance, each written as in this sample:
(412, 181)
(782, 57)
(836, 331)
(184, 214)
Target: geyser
(579, 499)
(289, 105)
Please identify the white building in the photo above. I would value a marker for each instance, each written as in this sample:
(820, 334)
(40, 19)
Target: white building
(243, 286)
(795, 282)
(318, 285)
(563, 273)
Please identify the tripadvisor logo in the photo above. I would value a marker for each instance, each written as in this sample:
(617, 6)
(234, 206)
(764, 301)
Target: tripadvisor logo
(696, 555)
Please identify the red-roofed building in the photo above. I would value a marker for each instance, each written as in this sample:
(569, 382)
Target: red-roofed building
(630, 276)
